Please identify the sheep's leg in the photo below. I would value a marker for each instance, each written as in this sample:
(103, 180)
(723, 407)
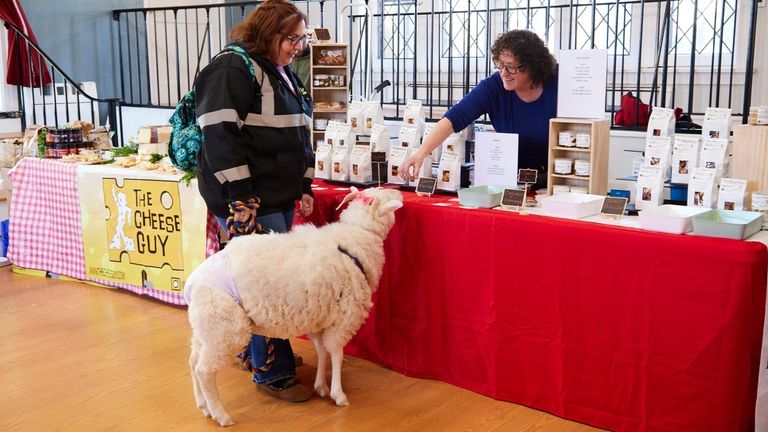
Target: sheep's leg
(205, 370)
(337, 394)
(220, 327)
(193, 359)
(321, 386)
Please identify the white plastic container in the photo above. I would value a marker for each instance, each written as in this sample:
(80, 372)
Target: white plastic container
(669, 218)
(563, 166)
(582, 167)
(572, 205)
(583, 140)
(567, 139)
(733, 224)
(560, 189)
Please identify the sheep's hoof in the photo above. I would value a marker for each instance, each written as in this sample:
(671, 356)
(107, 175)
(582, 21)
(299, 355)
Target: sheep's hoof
(206, 413)
(225, 421)
(341, 400)
(322, 391)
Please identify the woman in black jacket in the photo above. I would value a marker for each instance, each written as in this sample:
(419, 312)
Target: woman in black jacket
(256, 159)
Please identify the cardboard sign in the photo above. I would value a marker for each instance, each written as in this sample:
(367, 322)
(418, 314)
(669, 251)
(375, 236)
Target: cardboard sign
(322, 34)
(378, 156)
(613, 206)
(513, 198)
(426, 185)
(529, 176)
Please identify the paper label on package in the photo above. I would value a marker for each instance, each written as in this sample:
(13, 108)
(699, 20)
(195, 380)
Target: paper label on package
(732, 193)
(713, 153)
(685, 157)
(702, 187)
(657, 152)
(759, 201)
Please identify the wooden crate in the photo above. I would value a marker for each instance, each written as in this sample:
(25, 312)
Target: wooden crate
(750, 158)
(597, 153)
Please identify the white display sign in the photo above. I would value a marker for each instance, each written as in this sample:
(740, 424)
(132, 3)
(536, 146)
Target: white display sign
(581, 83)
(496, 159)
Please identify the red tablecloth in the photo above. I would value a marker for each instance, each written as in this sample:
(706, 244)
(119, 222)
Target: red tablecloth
(619, 328)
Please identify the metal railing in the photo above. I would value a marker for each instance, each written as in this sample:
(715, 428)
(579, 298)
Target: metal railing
(62, 101)
(688, 53)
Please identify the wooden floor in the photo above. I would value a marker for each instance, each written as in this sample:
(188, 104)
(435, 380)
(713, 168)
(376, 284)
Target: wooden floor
(75, 357)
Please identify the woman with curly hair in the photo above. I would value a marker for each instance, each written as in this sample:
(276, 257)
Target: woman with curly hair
(520, 97)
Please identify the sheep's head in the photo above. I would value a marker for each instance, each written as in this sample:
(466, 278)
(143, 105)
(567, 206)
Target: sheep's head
(372, 209)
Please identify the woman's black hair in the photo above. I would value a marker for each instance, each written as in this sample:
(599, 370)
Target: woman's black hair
(529, 51)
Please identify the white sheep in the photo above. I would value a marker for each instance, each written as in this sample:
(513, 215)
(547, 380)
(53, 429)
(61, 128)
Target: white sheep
(314, 281)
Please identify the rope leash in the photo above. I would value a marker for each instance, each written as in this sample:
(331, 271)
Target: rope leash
(250, 225)
(270, 356)
(245, 358)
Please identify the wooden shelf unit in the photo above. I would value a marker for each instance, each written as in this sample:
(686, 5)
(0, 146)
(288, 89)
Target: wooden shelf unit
(318, 53)
(750, 158)
(597, 154)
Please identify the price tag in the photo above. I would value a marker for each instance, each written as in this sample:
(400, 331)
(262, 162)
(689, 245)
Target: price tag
(513, 198)
(426, 185)
(613, 206)
(322, 34)
(528, 176)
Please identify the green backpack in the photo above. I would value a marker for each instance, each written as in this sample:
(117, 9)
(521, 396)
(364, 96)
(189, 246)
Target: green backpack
(186, 135)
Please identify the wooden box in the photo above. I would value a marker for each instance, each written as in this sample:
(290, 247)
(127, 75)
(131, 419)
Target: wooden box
(750, 158)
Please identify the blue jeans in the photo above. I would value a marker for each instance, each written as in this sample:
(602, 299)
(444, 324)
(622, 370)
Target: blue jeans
(284, 365)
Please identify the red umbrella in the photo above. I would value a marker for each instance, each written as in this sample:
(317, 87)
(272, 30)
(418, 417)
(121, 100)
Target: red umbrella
(25, 66)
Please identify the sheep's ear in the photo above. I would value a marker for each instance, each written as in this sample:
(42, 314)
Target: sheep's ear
(390, 206)
(350, 196)
(375, 206)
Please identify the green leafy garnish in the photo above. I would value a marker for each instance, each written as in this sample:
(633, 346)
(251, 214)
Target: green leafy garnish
(188, 176)
(124, 151)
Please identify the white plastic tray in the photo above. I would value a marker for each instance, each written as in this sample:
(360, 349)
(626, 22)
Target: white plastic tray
(668, 218)
(572, 205)
(481, 196)
(733, 224)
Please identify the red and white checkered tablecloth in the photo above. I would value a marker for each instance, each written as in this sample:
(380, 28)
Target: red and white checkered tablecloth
(45, 227)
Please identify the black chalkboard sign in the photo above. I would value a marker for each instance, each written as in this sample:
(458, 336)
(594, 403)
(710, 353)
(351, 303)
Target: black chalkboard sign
(613, 206)
(527, 176)
(322, 34)
(378, 156)
(513, 198)
(426, 185)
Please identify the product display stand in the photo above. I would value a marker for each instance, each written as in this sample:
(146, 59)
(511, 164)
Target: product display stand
(329, 86)
(597, 154)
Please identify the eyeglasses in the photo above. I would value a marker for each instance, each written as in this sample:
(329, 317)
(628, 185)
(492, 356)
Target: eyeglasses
(297, 40)
(509, 68)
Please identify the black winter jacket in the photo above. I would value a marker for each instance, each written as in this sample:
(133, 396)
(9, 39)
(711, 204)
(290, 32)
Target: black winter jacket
(256, 135)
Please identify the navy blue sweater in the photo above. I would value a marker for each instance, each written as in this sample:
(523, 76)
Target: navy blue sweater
(510, 114)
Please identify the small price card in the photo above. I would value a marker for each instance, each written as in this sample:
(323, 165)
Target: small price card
(513, 198)
(613, 206)
(322, 34)
(426, 186)
(528, 176)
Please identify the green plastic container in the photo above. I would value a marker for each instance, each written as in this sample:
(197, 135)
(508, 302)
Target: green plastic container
(733, 224)
(481, 196)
